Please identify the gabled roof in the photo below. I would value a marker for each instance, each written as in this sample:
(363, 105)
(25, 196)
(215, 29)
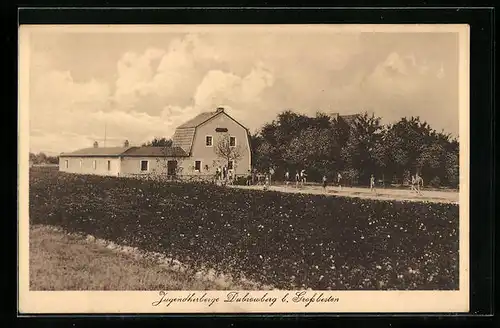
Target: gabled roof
(198, 120)
(105, 151)
(184, 134)
(155, 152)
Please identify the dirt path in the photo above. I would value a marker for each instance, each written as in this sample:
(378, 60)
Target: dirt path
(385, 194)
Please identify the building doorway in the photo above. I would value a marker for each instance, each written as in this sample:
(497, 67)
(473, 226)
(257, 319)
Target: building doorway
(171, 167)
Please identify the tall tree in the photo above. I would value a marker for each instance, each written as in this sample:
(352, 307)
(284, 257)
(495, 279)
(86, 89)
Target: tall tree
(226, 151)
(158, 142)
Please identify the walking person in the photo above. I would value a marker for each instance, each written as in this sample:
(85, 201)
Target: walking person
(372, 184)
(339, 180)
(412, 184)
(297, 179)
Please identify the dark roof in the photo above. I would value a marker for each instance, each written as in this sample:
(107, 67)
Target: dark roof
(183, 138)
(197, 120)
(128, 151)
(155, 152)
(104, 151)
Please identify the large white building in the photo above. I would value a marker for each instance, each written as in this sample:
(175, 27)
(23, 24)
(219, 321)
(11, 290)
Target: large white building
(209, 140)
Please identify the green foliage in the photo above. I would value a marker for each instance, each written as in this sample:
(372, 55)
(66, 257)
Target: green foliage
(42, 158)
(158, 142)
(357, 146)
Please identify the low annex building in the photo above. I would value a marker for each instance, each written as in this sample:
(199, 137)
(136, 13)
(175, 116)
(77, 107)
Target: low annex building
(199, 146)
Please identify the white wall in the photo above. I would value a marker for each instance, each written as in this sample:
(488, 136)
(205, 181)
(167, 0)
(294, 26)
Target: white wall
(208, 156)
(84, 165)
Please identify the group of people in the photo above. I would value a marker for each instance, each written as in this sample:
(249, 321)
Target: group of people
(223, 175)
(300, 177)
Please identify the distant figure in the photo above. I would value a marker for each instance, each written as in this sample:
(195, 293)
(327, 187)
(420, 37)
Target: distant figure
(230, 176)
(303, 176)
(249, 178)
(271, 173)
(297, 179)
(324, 182)
(217, 173)
(287, 178)
(224, 173)
(419, 183)
(339, 180)
(372, 184)
(412, 184)
(266, 183)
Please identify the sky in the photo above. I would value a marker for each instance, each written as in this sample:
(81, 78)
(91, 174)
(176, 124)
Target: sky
(137, 86)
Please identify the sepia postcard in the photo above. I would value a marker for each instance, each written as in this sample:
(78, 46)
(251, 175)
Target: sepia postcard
(243, 169)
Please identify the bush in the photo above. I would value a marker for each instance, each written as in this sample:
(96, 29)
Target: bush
(435, 182)
(240, 181)
(284, 239)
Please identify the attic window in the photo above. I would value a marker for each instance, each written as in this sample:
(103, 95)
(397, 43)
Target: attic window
(220, 130)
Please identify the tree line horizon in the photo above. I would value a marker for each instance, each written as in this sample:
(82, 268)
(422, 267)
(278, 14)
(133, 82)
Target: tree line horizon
(323, 145)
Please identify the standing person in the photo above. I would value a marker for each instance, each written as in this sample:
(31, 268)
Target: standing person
(266, 183)
(339, 180)
(412, 184)
(224, 174)
(287, 178)
(372, 183)
(324, 182)
(271, 172)
(303, 176)
(297, 179)
(419, 181)
(249, 178)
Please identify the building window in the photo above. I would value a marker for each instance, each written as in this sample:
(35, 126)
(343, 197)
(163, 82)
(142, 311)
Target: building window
(144, 165)
(230, 165)
(94, 164)
(209, 141)
(109, 165)
(232, 141)
(197, 166)
(66, 164)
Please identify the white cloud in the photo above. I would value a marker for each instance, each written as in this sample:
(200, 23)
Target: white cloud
(156, 88)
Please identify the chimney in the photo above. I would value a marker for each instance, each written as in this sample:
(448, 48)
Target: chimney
(96, 145)
(219, 109)
(126, 144)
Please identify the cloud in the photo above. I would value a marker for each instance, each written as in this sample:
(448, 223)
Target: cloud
(150, 89)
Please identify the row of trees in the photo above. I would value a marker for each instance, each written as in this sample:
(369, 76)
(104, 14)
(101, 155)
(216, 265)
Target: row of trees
(357, 149)
(42, 158)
